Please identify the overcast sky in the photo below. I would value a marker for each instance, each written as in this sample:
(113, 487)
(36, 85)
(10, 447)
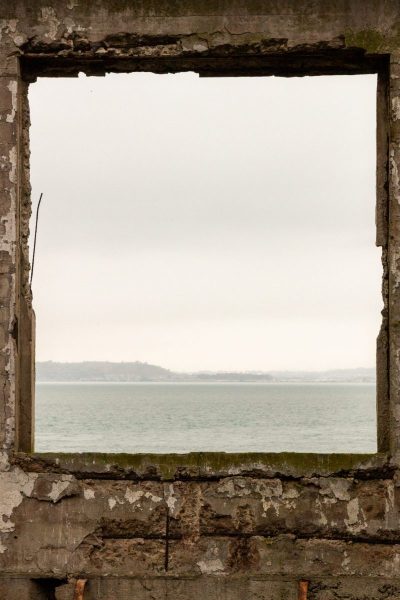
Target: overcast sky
(206, 223)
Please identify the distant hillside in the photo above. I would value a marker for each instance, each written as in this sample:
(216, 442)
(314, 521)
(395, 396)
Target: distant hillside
(229, 376)
(101, 371)
(138, 371)
(367, 375)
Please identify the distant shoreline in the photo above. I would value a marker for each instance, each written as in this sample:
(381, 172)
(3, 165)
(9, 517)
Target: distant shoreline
(138, 372)
(325, 382)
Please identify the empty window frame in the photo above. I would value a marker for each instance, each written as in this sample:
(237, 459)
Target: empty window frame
(270, 201)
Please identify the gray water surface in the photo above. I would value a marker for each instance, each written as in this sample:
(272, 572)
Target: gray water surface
(184, 417)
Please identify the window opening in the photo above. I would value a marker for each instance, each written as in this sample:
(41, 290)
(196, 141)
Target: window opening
(215, 239)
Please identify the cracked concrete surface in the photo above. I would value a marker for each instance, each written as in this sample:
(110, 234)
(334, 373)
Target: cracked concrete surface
(207, 526)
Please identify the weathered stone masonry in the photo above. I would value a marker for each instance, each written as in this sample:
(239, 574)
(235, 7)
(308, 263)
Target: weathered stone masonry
(203, 525)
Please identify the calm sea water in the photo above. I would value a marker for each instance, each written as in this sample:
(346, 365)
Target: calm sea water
(183, 417)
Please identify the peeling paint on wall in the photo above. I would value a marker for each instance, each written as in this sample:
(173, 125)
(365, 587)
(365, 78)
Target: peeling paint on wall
(14, 485)
(12, 86)
(48, 16)
(60, 488)
(396, 108)
(89, 494)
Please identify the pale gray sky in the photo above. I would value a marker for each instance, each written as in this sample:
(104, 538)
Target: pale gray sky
(206, 223)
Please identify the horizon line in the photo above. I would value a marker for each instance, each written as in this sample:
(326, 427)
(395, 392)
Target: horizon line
(208, 370)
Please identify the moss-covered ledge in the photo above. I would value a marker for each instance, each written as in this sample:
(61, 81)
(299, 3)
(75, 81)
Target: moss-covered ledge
(207, 465)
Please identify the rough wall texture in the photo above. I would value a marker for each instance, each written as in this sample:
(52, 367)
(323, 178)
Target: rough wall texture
(209, 526)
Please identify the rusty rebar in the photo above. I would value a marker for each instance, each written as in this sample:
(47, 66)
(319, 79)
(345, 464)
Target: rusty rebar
(79, 589)
(34, 240)
(303, 590)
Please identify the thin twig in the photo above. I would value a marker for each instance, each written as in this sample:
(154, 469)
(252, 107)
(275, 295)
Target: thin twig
(34, 239)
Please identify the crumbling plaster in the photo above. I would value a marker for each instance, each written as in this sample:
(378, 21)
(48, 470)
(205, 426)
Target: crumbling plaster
(210, 526)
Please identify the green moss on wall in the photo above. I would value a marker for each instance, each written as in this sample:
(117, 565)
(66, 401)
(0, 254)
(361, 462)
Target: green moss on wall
(167, 466)
(373, 41)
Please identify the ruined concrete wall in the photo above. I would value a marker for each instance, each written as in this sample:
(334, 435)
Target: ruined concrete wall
(207, 526)
(230, 530)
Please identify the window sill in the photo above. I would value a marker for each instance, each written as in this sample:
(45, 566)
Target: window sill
(206, 465)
